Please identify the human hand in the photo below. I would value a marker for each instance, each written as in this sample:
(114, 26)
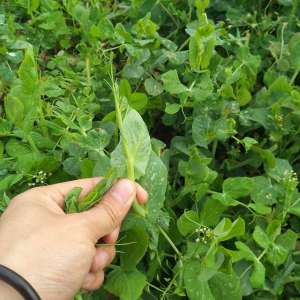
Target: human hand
(56, 252)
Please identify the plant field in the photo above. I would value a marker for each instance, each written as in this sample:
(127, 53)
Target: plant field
(198, 101)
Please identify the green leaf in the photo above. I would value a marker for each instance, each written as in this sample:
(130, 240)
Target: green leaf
(172, 108)
(153, 87)
(238, 187)
(5, 127)
(133, 71)
(138, 101)
(261, 238)
(155, 182)
(15, 148)
(225, 286)
(9, 181)
(132, 249)
(127, 285)
(28, 70)
(188, 222)
(202, 130)
(263, 192)
(138, 143)
(248, 143)
(197, 288)
(257, 277)
(211, 212)
(224, 129)
(227, 230)
(14, 109)
(280, 170)
(260, 208)
(172, 83)
(201, 47)
(72, 166)
(294, 49)
(225, 199)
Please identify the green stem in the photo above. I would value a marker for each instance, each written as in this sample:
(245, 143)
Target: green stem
(137, 208)
(294, 76)
(169, 241)
(88, 71)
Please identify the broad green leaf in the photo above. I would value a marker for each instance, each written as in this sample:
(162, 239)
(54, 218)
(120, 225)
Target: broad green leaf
(243, 96)
(277, 255)
(260, 208)
(196, 287)
(294, 48)
(102, 165)
(246, 251)
(248, 143)
(274, 229)
(188, 222)
(172, 83)
(211, 212)
(258, 274)
(201, 47)
(7, 182)
(138, 101)
(14, 109)
(224, 129)
(287, 240)
(261, 238)
(202, 130)
(280, 170)
(15, 148)
(133, 249)
(155, 182)
(5, 127)
(28, 71)
(225, 199)
(227, 230)
(72, 166)
(153, 87)
(86, 168)
(138, 143)
(127, 285)
(34, 162)
(172, 108)
(133, 71)
(201, 5)
(238, 187)
(225, 286)
(263, 192)
(125, 88)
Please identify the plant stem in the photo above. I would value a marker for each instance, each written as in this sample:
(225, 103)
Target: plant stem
(294, 76)
(169, 241)
(88, 71)
(137, 208)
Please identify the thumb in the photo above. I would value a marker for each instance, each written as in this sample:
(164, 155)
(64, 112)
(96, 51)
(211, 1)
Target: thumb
(111, 211)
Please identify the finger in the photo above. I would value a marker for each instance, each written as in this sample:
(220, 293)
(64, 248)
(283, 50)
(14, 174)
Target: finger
(112, 237)
(141, 194)
(103, 258)
(58, 192)
(110, 212)
(93, 281)
(142, 197)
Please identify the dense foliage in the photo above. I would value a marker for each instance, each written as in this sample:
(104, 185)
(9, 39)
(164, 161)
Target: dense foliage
(217, 85)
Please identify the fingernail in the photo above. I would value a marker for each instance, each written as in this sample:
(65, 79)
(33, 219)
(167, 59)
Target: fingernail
(123, 190)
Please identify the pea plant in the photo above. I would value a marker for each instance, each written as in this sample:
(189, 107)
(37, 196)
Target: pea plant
(196, 100)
